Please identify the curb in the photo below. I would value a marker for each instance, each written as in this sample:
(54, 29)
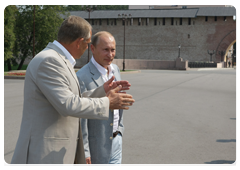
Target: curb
(128, 72)
(14, 77)
(206, 69)
(23, 77)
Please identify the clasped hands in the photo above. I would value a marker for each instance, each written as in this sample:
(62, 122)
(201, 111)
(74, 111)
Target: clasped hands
(118, 99)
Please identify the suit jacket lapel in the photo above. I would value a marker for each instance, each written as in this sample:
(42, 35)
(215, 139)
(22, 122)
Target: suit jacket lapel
(96, 75)
(116, 74)
(67, 62)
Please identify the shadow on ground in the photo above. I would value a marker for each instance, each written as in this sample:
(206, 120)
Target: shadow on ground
(220, 162)
(226, 140)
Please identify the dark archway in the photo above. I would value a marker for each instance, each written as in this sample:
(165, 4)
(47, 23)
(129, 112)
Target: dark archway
(224, 45)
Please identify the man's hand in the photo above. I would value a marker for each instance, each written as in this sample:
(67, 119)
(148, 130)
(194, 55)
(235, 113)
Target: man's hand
(88, 160)
(109, 85)
(119, 100)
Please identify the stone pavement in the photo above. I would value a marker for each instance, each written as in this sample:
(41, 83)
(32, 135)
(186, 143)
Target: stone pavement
(179, 117)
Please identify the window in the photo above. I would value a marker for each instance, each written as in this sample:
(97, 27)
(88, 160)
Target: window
(189, 21)
(131, 21)
(215, 18)
(139, 21)
(155, 21)
(147, 21)
(163, 21)
(115, 21)
(180, 22)
(100, 22)
(92, 21)
(107, 21)
(172, 21)
(206, 18)
(225, 18)
(123, 22)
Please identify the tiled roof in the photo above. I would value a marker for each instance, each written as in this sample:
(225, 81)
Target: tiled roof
(216, 11)
(159, 13)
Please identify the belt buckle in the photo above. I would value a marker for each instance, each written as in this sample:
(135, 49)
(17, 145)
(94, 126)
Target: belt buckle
(115, 134)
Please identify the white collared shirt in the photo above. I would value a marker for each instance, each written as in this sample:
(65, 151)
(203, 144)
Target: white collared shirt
(106, 77)
(65, 51)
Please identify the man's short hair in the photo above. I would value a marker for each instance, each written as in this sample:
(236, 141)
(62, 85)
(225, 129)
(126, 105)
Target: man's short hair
(72, 28)
(96, 36)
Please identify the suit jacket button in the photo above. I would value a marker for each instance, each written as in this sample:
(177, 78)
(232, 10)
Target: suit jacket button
(111, 124)
(111, 138)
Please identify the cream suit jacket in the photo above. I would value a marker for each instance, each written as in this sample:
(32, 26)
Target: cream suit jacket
(50, 131)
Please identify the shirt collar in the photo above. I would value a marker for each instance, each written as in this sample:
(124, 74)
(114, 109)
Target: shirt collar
(65, 51)
(101, 69)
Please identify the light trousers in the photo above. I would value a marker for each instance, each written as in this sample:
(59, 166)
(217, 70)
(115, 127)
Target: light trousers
(116, 155)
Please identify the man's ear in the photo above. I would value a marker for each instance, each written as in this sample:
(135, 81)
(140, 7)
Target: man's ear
(79, 42)
(92, 48)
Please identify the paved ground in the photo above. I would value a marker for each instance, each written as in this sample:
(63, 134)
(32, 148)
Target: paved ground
(179, 117)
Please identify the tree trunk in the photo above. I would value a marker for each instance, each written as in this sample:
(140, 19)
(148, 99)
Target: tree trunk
(9, 65)
(21, 64)
(25, 54)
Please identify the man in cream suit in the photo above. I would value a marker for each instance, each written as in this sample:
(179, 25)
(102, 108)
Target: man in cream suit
(102, 139)
(50, 131)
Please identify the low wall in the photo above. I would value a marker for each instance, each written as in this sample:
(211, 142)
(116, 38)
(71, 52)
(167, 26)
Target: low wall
(152, 64)
(220, 65)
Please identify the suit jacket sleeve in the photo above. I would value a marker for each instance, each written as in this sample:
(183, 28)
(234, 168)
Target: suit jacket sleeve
(84, 123)
(53, 82)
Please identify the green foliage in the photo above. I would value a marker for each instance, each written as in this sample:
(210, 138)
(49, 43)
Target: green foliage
(99, 7)
(9, 36)
(112, 7)
(24, 67)
(47, 22)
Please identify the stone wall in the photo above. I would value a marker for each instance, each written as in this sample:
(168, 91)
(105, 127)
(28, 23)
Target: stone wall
(160, 42)
(136, 64)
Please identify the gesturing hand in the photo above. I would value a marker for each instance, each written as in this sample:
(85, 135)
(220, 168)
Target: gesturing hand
(119, 100)
(109, 85)
(88, 160)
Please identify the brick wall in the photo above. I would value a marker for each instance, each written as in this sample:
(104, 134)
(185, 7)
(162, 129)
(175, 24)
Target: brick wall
(160, 42)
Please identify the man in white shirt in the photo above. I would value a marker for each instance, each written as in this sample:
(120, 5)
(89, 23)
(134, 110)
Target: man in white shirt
(50, 132)
(102, 139)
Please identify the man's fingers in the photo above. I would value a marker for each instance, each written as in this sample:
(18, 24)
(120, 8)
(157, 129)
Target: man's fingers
(125, 88)
(126, 96)
(117, 89)
(88, 160)
(124, 84)
(125, 108)
(110, 80)
(122, 92)
(127, 100)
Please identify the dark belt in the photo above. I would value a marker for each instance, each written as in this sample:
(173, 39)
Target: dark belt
(116, 133)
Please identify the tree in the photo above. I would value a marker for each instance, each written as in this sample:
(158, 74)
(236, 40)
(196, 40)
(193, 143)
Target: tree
(47, 22)
(9, 36)
(99, 7)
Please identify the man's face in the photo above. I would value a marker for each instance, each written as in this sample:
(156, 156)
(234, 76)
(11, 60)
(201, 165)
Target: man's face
(105, 50)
